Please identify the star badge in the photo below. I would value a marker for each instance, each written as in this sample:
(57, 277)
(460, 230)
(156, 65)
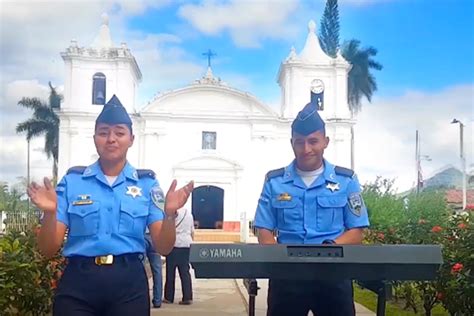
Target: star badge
(332, 186)
(134, 191)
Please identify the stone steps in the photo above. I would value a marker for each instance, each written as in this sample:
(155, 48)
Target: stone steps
(215, 235)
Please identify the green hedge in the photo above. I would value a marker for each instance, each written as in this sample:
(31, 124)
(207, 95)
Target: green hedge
(425, 219)
(27, 280)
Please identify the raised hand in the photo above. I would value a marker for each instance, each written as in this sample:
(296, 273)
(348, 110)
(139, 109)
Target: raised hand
(175, 199)
(44, 197)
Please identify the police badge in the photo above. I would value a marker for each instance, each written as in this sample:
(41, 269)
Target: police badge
(158, 197)
(355, 203)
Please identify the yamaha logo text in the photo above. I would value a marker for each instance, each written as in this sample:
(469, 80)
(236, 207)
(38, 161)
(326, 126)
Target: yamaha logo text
(220, 253)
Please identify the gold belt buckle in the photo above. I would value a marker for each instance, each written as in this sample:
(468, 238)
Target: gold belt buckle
(104, 260)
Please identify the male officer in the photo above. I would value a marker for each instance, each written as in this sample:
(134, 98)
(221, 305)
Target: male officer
(106, 208)
(310, 202)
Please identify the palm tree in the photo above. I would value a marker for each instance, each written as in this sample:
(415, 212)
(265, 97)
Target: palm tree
(43, 122)
(361, 82)
(329, 30)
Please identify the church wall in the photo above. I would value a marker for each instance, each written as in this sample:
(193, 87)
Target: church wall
(169, 143)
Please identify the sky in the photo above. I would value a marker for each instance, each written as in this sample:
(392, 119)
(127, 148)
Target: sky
(426, 48)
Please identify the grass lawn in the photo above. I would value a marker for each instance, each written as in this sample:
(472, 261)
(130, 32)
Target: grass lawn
(369, 300)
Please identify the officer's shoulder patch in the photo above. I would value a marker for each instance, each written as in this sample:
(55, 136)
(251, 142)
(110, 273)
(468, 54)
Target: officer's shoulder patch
(142, 173)
(76, 169)
(274, 173)
(344, 171)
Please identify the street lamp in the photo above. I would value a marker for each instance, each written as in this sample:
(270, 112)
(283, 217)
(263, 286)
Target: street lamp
(463, 161)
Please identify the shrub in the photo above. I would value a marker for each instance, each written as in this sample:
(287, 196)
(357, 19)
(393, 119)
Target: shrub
(27, 280)
(425, 219)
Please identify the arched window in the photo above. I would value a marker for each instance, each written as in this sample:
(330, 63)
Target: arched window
(98, 88)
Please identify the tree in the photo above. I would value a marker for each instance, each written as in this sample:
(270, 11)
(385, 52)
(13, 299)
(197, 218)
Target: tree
(361, 82)
(329, 34)
(43, 122)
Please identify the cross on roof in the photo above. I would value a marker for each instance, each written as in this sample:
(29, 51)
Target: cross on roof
(209, 54)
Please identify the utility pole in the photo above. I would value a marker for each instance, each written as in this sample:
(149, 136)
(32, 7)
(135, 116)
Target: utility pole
(418, 158)
(28, 169)
(417, 161)
(463, 161)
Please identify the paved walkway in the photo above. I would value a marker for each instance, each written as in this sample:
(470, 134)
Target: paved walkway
(222, 297)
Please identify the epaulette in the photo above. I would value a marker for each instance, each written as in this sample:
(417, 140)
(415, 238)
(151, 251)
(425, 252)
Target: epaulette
(141, 173)
(343, 171)
(76, 169)
(274, 173)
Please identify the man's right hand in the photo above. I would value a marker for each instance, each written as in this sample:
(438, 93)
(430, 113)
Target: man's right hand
(44, 197)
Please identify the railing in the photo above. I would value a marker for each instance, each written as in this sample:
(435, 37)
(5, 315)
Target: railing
(20, 221)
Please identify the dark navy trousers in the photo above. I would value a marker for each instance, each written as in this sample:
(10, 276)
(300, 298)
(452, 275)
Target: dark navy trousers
(323, 298)
(119, 289)
(178, 258)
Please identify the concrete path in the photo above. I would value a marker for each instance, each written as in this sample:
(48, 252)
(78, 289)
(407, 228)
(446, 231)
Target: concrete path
(222, 297)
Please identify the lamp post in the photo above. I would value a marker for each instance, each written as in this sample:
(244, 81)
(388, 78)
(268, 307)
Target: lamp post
(463, 161)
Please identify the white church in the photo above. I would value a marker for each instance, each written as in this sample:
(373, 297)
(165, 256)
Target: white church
(224, 139)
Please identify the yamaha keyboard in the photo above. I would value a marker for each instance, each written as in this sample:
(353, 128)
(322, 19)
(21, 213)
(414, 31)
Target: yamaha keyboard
(316, 262)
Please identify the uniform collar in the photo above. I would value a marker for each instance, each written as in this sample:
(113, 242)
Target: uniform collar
(291, 175)
(127, 172)
(328, 175)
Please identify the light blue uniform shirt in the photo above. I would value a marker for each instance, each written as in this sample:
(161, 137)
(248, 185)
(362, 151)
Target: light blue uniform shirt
(106, 219)
(331, 205)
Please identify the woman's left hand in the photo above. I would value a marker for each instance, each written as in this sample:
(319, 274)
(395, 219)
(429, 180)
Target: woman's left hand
(175, 199)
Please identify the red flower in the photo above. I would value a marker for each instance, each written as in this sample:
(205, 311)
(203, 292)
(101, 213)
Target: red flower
(436, 229)
(440, 296)
(457, 268)
(422, 221)
(462, 226)
(470, 207)
(380, 236)
(53, 284)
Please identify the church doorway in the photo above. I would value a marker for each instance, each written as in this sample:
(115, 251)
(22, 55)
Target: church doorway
(208, 207)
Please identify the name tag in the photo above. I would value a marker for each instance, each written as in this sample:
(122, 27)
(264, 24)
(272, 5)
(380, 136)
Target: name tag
(284, 197)
(84, 202)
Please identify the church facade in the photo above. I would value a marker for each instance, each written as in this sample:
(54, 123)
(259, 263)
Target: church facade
(222, 138)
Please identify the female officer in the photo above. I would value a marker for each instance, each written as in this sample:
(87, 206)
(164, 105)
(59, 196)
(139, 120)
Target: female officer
(310, 202)
(106, 208)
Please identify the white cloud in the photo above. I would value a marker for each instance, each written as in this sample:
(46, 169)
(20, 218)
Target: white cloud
(164, 64)
(385, 133)
(246, 21)
(13, 153)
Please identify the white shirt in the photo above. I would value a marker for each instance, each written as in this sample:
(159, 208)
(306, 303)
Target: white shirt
(184, 228)
(309, 177)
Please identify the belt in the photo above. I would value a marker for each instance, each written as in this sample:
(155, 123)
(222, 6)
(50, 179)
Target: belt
(106, 259)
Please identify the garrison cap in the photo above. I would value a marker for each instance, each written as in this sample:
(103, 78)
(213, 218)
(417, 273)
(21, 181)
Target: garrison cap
(114, 113)
(308, 121)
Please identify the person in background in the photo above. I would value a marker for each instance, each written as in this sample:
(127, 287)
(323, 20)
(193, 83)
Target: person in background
(106, 207)
(179, 258)
(310, 201)
(154, 259)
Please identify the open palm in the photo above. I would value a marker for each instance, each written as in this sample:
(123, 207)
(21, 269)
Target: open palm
(175, 199)
(44, 197)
